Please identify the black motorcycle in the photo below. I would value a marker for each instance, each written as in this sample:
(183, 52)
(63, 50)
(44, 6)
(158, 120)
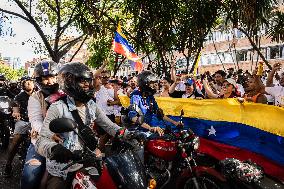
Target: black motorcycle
(122, 169)
(6, 121)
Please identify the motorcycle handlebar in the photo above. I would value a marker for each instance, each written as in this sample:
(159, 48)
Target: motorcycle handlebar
(135, 135)
(79, 158)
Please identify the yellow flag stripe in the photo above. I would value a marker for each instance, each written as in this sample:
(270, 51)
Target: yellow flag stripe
(264, 117)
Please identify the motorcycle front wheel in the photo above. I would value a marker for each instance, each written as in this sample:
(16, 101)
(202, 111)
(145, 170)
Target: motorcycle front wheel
(202, 183)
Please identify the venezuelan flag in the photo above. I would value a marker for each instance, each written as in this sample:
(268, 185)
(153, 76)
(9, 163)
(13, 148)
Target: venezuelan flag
(229, 129)
(122, 46)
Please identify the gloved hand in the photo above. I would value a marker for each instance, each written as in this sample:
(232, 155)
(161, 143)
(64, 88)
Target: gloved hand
(61, 154)
(89, 137)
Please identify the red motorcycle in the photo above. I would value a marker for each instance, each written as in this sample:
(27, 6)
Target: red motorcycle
(171, 161)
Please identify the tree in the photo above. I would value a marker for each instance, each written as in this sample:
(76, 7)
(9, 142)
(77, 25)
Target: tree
(62, 16)
(170, 27)
(249, 17)
(163, 28)
(110, 14)
(11, 74)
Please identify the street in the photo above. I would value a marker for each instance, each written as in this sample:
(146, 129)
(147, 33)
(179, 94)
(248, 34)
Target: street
(14, 181)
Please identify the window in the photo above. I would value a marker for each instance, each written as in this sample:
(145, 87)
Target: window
(241, 55)
(274, 52)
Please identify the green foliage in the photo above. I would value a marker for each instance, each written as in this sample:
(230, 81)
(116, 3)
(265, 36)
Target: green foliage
(248, 14)
(100, 49)
(61, 24)
(107, 14)
(156, 28)
(276, 31)
(12, 74)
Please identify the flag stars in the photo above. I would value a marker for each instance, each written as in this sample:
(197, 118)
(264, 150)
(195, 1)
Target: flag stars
(212, 131)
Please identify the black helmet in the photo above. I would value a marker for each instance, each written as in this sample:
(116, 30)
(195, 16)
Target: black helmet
(145, 78)
(24, 79)
(71, 75)
(44, 69)
(2, 77)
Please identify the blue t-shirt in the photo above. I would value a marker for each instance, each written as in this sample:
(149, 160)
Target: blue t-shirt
(148, 107)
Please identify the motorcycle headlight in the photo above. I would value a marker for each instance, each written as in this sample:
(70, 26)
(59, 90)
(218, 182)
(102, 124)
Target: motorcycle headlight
(195, 143)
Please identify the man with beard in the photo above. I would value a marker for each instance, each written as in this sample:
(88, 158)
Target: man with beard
(276, 91)
(106, 98)
(132, 83)
(77, 82)
(45, 74)
(22, 125)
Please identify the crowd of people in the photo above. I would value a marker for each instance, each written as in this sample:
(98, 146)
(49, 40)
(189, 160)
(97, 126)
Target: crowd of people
(54, 93)
(264, 87)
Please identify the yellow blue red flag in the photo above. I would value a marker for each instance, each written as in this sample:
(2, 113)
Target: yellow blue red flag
(230, 129)
(122, 46)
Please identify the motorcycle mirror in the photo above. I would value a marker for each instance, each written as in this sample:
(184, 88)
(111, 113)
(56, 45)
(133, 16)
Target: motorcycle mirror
(62, 125)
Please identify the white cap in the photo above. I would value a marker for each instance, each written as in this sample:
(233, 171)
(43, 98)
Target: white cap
(232, 81)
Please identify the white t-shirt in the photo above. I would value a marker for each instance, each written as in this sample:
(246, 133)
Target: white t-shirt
(188, 96)
(102, 96)
(278, 93)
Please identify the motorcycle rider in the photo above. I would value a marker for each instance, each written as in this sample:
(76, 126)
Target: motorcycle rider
(22, 125)
(45, 78)
(142, 101)
(13, 88)
(76, 80)
(4, 91)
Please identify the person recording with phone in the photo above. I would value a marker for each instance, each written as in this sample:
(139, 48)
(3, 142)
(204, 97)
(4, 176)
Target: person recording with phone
(277, 91)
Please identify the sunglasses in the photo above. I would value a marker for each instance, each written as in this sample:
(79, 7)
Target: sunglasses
(84, 80)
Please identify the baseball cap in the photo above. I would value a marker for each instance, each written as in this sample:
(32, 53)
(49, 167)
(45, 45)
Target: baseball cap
(189, 82)
(232, 81)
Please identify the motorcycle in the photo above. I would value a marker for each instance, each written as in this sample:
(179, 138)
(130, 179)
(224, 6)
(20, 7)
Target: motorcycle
(241, 174)
(175, 155)
(120, 170)
(170, 160)
(6, 121)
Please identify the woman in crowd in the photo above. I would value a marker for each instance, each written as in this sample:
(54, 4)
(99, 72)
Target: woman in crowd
(253, 88)
(228, 90)
(190, 90)
(166, 83)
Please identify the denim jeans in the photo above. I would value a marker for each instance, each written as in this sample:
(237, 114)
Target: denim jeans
(34, 169)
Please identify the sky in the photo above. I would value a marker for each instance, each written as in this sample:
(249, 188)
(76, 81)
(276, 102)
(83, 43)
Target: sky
(13, 46)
